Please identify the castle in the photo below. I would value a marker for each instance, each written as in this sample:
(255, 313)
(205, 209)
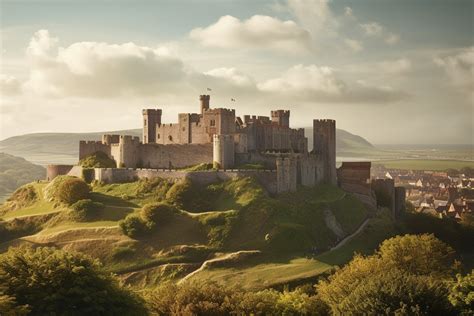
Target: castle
(234, 146)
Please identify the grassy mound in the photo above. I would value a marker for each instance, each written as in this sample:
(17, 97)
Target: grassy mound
(22, 197)
(97, 160)
(67, 189)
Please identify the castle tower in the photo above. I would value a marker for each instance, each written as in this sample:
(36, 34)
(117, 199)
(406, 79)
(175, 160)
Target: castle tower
(204, 102)
(324, 146)
(281, 117)
(223, 151)
(151, 117)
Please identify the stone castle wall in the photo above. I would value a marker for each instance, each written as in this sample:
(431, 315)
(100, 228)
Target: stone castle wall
(52, 171)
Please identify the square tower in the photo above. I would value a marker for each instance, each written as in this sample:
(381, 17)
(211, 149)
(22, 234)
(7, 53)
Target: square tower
(324, 146)
(151, 117)
(281, 117)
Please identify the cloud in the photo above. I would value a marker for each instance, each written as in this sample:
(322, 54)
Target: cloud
(232, 75)
(9, 85)
(392, 39)
(459, 66)
(354, 45)
(97, 69)
(397, 66)
(314, 15)
(348, 12)
(372, 29)
(312, 83)
(255, 33)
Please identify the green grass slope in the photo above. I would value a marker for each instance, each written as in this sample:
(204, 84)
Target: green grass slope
(235, 215)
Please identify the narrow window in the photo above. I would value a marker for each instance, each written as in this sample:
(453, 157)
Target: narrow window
(158, 136)
(213, 123)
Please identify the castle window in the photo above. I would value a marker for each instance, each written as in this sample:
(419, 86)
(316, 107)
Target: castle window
(158, 136)
(170, 137)
(144, 122)
(184, 128)
(213, 123)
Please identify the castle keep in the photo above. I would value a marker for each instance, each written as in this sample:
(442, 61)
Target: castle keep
(218, 136)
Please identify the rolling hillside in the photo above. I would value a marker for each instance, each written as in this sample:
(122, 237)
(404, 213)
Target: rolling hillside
(63, 148)
(16, 171)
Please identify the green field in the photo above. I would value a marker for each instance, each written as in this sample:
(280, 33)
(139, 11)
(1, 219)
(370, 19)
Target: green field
(424, 164)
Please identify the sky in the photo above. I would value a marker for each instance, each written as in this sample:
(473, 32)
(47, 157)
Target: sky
(394, 72)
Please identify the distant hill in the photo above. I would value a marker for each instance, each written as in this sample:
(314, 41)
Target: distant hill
(47, 148)
(15, 172)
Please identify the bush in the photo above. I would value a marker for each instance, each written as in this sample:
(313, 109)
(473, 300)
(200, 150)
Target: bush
(22, 197)
(157, 213)
(407, 275)
(97, 160)
(73, 190)
(84, 210)
(214, 299)
(186, 195)
(55, 282)
(462, 293)
(134, 226)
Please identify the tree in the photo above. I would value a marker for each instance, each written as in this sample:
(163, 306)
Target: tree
(56, 282)
(462, 293)
(407, 275)
(419, 254)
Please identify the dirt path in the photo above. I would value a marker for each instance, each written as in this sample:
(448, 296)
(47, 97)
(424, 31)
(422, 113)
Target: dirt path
(347, 238)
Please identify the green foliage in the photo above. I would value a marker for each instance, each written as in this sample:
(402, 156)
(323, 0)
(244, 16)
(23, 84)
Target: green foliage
(84, 210)
(250, 166)
(55, 282)
(157, 213)
(462, 293)
(419, 254)
(187, 195)
(88, 174)
(213, 299)
(97, 160)
(73, 190)
(407, 275)
(124, 252)
(134, 226)
(67, 189)
(200, 167)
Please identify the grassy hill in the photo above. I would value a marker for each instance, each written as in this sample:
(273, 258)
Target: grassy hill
(235, 224)
(16, 171)
(46, 148)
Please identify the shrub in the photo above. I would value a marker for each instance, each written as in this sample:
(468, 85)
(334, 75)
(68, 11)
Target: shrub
(55, 282)
(84, 210)
(97, 160)
(123, 252)
(461, 293)
(134, 226)
(22, 197)
(73, 190)
(407, 275)
(187, 195)
(157, 213)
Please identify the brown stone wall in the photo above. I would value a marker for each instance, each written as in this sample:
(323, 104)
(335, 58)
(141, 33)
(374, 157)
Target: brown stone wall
(87, 148)
(324, 145)
(174, 156)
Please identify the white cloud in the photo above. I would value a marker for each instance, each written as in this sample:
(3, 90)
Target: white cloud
(459, 66)
(348, 12)
(372, 28)
(9, 85)
(314, 15)
(257, 32)
(354, 45)
(312, 83)
(392, 39)
(99, 69)
(397, 66)
(232, 75)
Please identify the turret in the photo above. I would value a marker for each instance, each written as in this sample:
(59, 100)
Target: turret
(324, 146)
(151, 117)
(281, 117)
(204, 102)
